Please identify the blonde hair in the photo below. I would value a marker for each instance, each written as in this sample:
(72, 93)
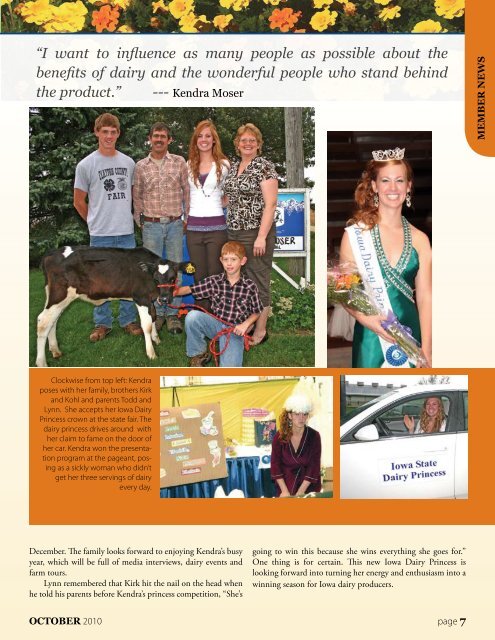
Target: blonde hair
(217, 153)
(424, 420)
(252, 128)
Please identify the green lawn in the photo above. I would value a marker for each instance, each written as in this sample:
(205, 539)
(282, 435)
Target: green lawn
(286, 347)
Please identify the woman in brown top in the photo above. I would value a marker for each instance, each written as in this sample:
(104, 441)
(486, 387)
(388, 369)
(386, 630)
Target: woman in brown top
(251, 188)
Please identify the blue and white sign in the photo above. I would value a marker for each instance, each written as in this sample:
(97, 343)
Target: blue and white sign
(293, 231)
(292, 222)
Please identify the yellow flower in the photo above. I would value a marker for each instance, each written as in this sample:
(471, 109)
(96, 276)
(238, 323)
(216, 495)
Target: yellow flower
(382, 1)
(221, 22)
(428, 26)
(159, 6)
(123, 4)
(389, 13)
(5, 2)
(179, 8)
(274, 3)
(69, 17)
(320, 4)
(202, 19)
(235, 5)
(323, 19)
(37, 12)
(450, 8)
(125, 28)
(188, 23)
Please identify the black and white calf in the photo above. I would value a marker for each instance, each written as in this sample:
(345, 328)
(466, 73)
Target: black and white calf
(97, 275)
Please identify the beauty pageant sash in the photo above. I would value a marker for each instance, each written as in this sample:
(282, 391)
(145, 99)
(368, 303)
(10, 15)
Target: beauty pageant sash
(369, 268)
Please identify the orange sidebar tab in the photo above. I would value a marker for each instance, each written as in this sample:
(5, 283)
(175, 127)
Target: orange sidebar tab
(480, 76)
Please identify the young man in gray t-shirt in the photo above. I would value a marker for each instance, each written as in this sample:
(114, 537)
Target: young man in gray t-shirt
(103, 199)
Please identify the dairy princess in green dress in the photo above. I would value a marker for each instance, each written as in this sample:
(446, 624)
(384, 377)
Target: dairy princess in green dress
(392, 256)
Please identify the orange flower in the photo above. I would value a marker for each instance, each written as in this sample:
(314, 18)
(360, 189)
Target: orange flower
(106, 18)
(284, 19)
(346, 281)
(350, 8)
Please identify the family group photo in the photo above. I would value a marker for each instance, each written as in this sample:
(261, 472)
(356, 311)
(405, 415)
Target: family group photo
(189, 230)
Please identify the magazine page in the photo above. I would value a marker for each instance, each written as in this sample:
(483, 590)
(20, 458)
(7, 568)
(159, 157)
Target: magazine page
(294, 195)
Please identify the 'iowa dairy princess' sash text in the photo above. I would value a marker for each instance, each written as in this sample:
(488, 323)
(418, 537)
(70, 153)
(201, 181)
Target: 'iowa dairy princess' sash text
(369, 268)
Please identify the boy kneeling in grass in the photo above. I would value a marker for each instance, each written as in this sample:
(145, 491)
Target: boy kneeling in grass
(234, 300)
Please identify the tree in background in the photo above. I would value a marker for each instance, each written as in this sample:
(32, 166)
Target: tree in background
(58, 139)
(432, 379)
(294, 162)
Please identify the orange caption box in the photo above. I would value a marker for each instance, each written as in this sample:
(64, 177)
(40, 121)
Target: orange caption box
(97, 501)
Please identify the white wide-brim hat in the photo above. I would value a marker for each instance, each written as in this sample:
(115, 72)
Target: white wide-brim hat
(298, 403)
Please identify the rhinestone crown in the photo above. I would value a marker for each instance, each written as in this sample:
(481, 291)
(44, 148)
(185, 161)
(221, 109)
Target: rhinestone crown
(388, 154)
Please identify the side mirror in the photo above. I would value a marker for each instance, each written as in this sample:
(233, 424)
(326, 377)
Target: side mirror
(368, 433)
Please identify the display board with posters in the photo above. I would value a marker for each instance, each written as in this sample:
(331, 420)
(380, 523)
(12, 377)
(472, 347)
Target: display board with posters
(191, 444)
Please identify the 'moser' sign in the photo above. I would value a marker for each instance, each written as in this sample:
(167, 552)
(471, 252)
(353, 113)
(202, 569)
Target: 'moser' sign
(292, 222)
(292, 227)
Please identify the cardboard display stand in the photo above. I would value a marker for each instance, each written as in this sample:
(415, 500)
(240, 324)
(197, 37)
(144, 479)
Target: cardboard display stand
(191, 444)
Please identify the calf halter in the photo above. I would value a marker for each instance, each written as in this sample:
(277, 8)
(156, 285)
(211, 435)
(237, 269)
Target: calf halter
(170, 285)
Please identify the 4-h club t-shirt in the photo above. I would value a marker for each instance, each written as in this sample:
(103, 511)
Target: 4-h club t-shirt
(108, 182)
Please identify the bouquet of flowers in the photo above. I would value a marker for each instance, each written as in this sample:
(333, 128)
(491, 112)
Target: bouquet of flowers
(345, 286)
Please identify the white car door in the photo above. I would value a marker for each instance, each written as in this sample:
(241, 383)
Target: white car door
(461, 454)
(380, 459)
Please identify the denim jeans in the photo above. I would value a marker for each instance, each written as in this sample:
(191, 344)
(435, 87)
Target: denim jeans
(160, 236)
(102, 315)
(199, 327)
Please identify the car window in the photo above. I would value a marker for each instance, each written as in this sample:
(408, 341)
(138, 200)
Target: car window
(357, 410)
(391, 423)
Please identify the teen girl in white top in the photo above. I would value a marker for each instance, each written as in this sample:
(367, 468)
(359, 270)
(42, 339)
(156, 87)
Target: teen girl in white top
(206, 227)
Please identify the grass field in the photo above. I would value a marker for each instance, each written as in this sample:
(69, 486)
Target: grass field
(288, 348)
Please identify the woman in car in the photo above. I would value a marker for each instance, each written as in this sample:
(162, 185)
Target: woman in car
(296, 451)
(431, 420)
